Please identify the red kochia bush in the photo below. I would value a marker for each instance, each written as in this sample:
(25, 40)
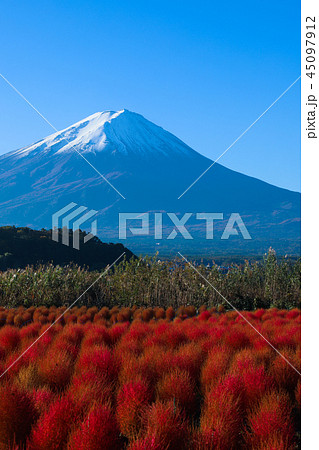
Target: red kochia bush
(34, 351)
(52, 429)
(42, 398)
(189, 357)
(166, 426)
(170, 313)
(64, 345)
(56, 369)
(18, 320)
(117, 331)
(88, 387)
(256, 383)
(244, 360)
(271, 420)
(74, 334)
(236, 338)
(177, 385)
(96, 335)
(148, 443)
(221, 418)
(137, 332)
(100, 360)
(284, 374)
(159, 313)
(298, 394)
(204, 315)
(2, 353)
(275, 442)
(132, 401)
(147, 314)
(134, 367)
(9, 338)
(215, 366)
(292, 314)
(17, 415)
(99, 431)
(30, 331)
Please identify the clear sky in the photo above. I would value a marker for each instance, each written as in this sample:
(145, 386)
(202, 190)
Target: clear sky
(204, 70)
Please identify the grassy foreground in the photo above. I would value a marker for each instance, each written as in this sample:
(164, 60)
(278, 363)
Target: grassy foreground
(149, 282)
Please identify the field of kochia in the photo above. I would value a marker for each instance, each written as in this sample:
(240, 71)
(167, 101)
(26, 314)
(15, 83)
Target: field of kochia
(149, 379)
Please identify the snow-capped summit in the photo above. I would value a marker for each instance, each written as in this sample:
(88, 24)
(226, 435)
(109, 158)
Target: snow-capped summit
(112, 131)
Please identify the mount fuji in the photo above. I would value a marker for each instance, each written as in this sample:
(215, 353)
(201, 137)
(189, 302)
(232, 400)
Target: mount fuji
(149, 169)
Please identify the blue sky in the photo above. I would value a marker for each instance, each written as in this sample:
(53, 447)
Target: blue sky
(203, 70)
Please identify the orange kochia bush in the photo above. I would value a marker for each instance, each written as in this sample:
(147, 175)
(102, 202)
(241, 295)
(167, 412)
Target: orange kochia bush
(149, 379)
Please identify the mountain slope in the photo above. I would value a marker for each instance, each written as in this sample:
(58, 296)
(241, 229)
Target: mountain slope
(150, 167)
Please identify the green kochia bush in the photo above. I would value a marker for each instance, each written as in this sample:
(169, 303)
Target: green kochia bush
(149, 282)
